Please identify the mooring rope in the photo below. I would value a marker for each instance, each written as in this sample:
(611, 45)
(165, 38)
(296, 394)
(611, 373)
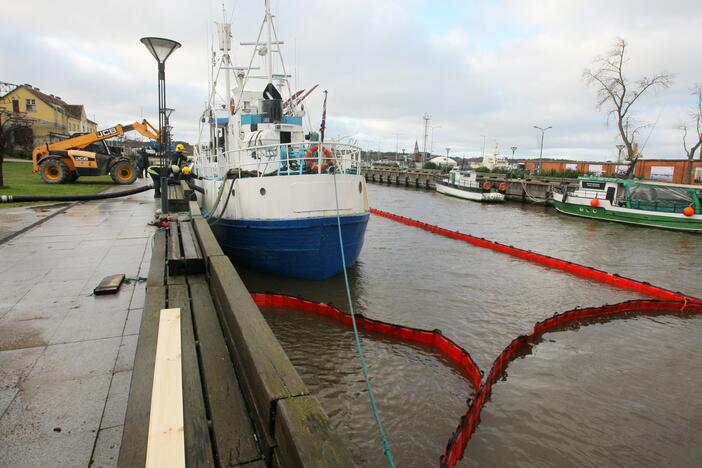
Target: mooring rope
(359, 348)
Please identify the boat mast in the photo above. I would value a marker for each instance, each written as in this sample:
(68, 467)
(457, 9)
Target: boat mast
(269, 21)
(225, 44)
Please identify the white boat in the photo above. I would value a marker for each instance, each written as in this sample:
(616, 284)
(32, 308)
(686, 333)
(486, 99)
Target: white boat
(275, 191)
(464, 184)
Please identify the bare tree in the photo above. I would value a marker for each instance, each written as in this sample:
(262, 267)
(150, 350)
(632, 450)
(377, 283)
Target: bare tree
(617, 94)
(14, 130)
(696, 115)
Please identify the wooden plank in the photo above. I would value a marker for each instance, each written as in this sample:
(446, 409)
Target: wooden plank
(206, 238)
(176, 263)
(157, 268)
(194, 208)
(194, 262)
(109, 284)
(233, 434)
(136, 421)
(265, 369)
(198, 446)
(166, 442)
(304, 436)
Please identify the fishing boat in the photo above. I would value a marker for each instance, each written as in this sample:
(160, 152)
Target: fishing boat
(646, 203)
(464, 184)
(276, 193)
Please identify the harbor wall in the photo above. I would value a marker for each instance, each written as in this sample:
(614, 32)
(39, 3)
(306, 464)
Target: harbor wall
(527, 190)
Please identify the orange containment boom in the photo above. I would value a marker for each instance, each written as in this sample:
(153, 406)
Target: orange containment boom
(455, 448)
(564, 265)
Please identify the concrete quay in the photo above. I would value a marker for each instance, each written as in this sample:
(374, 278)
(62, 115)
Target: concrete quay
(66, 356)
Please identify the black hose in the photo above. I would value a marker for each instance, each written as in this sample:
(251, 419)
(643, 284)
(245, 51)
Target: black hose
(68, 198)
(195, 187)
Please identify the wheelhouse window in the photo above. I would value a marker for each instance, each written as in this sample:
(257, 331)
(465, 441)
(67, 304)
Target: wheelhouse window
(660, 198)
(31, 105)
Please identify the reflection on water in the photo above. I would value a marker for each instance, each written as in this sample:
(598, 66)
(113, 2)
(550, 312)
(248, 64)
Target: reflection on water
(625, 391)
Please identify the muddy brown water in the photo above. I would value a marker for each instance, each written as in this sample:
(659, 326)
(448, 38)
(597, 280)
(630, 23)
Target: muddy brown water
(624, 393)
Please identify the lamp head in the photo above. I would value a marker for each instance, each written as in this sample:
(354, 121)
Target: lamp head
(160, 48)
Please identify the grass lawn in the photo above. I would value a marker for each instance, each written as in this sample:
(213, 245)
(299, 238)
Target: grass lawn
(20, 180)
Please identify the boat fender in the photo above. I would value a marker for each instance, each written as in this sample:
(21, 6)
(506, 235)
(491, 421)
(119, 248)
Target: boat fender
(503, 187)
(689, 211)
(594, 203)
(487, 185)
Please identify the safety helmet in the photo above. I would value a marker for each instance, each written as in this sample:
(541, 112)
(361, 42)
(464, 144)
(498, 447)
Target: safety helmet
(186, 170)
(180, 147)
(175, 169)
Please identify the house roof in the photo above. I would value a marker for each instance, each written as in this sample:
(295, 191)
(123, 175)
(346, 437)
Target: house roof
(73, 110)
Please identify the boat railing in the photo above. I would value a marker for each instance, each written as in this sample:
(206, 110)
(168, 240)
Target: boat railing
(280, 159)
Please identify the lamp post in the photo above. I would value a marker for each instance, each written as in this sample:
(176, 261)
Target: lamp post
(541, 151)
(447, 156)
(513, 148)
(161, 49)
(427, 118)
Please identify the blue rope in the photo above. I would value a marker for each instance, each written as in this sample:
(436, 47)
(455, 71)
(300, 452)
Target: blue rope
(359, 348)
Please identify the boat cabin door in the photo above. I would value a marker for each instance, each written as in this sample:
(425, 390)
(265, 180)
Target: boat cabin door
(610, 194)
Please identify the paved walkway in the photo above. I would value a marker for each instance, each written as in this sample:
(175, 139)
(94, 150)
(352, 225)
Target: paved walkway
(65, 355)
(17, 218)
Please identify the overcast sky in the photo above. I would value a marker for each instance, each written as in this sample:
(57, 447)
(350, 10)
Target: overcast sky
(479, 68)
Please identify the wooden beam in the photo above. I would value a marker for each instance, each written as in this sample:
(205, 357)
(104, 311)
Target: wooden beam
(166, 442)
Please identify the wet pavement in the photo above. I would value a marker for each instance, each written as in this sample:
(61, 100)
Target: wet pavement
(15, 220)
(65, 355)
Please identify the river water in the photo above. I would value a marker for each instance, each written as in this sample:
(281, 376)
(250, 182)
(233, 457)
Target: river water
(623, 393)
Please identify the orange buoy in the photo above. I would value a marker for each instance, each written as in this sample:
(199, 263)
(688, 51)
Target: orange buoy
(594, 203)
(487, 185)
(503, 187)
(689, 211)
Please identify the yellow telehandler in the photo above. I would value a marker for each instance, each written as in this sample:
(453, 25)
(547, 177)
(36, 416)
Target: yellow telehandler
(88, 155)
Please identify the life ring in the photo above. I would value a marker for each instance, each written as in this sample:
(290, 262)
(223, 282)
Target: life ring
(328, 158)
(503, 187)
(487, 185)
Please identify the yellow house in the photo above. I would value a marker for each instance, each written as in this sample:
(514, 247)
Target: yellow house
(52, 118)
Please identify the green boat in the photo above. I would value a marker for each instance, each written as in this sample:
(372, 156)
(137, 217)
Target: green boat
(646, 203)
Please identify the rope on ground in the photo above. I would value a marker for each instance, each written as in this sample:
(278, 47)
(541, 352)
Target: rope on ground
(359, 348)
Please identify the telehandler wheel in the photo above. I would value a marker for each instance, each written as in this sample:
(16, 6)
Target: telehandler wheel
(53, 171)
(72, 177)
(123, 173)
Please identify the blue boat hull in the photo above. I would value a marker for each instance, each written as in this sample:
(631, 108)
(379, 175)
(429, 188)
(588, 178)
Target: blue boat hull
(299, 248)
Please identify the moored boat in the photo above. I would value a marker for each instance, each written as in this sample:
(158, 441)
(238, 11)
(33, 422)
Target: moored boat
(645, 203)
(464, 184)
(276, 193)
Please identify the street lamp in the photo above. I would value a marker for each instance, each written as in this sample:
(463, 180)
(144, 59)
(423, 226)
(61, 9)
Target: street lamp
(161, 49)
(513, 148)
(167, 111)
(447, 156)
(541, 151)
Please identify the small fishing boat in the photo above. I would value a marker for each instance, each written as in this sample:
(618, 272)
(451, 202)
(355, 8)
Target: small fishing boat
(464, 184)
(646, 203)
(280, 198)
